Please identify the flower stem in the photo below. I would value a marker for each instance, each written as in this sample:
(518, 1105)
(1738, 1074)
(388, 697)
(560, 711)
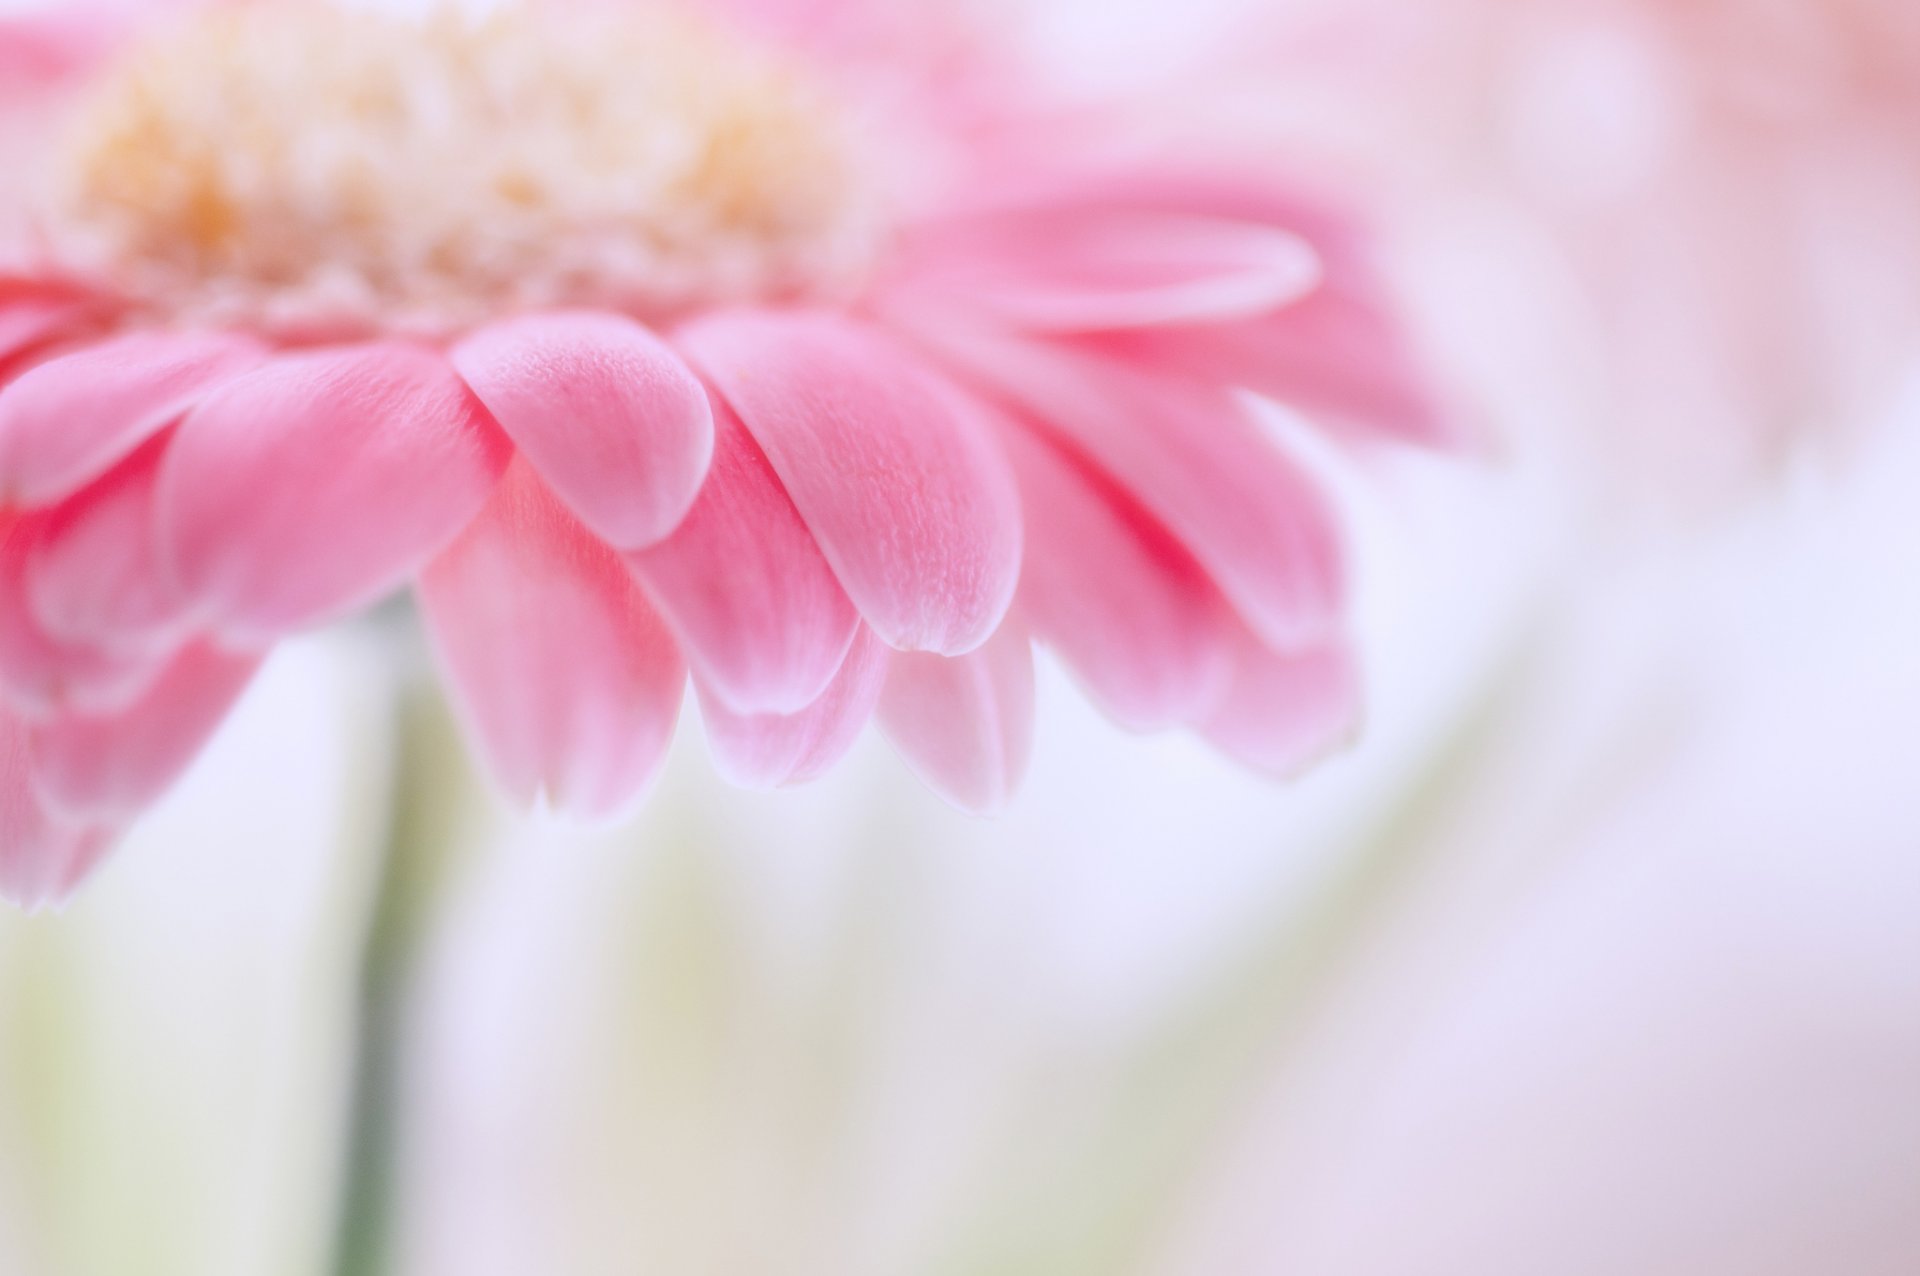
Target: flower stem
(420, 835)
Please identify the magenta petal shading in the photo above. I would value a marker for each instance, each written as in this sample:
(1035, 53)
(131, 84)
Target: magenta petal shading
(1283, 713)
(94, 577)
(42, 858)
(767, 750)
(322, 481)
(611, 418)
(1200, 463)
(1095, 269)
(965, 723)
(108, 769)
(568, 679)
(1105, 586)
(69, 420)
(39, 674)
(899, 481)
(760, 614)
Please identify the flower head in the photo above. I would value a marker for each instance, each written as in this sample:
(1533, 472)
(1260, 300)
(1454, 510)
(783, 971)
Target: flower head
(806, 351)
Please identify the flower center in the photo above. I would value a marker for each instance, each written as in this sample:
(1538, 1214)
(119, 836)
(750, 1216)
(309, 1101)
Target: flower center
(315, 170)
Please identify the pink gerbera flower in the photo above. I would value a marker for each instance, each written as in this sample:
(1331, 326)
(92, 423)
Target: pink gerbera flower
(800, 348)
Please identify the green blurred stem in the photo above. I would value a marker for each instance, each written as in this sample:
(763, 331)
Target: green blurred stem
(421, 833)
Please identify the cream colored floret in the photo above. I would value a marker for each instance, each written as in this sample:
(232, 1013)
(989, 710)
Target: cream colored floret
(303, 165)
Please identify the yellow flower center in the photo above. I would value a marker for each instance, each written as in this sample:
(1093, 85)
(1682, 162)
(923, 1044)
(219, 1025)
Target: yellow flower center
(312, 169)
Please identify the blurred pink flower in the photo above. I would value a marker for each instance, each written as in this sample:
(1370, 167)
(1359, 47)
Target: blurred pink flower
(1732, 188)
(809, 349)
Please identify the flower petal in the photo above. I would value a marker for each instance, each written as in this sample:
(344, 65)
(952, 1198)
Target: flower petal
(568, 680)
(109, 769)
(1108, 588)
(901, 485)
(94, 578)
(45, 45)
(965, 723)
(1341, 352)
(1339, 355)
(69, 420)
(767, 751)
(319, 482)
(1095, 268)
(42, 858)
(1283, 713)
(762, 618)
(32, 316)
(610, 416)
(40, 675)
(1197, 460)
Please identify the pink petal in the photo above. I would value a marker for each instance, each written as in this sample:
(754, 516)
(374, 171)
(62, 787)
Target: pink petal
(39, 49)
(762, 618)
(567, 679)
(42, 858)
(1341, 351)
(40, 675)
(965, 723)
(613, 420)
(1095, 268)
(899, 482)
(1281, 713)
(71, 419)
(320, 482)
(767, 751)
(1196, 459)
(1127, 608)
(34, 317)
(1339, 355)
(94, 578)
(109, 769)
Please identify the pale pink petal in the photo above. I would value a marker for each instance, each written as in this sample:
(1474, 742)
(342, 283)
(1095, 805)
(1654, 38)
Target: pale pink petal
(40, 675)
(1283, 713)
(1338, 355)
(1104, 585)
(901, 484)
(322, 481)
(766, 751)
(965, 723)
(42, 858)
(1341, 351)
(1097, 268)
(568, 680)
(762, 618)
(109, 769)
(71, 419)
(94, 578)
(1198, 461)
(613, 420)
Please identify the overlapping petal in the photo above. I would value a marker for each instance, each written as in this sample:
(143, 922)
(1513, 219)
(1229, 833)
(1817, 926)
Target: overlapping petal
(569, 680)
(319, 482)
(69, 420)
(768, 750)
(104, 770)
(615, 423)
(965, 723)
(902, 486)
(1193, 456)
(762, 618)
(1103, 584)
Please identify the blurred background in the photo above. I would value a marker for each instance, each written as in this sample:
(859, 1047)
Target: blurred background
(1600, 953)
